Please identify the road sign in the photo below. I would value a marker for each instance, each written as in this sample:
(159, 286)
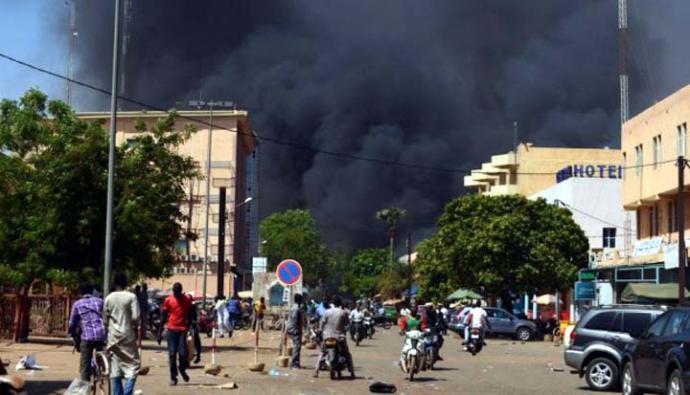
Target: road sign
(585, 291)
(289, 272)
(588, 275)
(259, 264)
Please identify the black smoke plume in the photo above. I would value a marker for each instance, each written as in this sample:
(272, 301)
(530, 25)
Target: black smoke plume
(432, 82)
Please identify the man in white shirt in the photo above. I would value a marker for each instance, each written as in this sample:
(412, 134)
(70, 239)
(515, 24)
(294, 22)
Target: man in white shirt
(476, 319)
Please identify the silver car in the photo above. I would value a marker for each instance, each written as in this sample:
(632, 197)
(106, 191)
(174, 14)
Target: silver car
(504, 323)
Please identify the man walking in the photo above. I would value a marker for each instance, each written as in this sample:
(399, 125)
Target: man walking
(177, 306)
(143, 299)
(295, 328)
(121, 318)
(87, 316)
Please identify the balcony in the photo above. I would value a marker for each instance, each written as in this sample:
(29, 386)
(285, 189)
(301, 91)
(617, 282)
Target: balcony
(504, 160)
(499, 190)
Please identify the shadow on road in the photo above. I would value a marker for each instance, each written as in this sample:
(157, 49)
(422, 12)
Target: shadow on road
(47, 386)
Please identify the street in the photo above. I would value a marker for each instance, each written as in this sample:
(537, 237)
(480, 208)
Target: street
(504, 366)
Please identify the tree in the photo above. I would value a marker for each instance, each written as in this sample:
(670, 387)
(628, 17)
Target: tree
(362, 276)
(53, 177)
(293, 234)
(501, 243)
(390, 216)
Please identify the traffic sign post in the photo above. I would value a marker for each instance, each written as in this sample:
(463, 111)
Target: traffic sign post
(289, 273)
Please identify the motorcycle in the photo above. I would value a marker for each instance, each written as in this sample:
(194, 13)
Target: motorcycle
(476, 342)
(336, 356)
(357, 332)
(430, 349)
(13, 385)
(368, 328)
(412, 355)
(381, 320)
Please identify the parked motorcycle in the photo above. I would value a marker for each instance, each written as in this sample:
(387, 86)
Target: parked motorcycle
(336, 356)
(476, 342)
(357, 332)
(412, 355)
(368, 328)
(431, 345)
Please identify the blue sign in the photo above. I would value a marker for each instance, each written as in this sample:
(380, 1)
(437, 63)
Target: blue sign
(289, 272)
(585, 290)
(590, 171)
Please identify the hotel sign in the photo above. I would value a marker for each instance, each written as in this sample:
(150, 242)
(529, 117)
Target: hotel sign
(590, 171)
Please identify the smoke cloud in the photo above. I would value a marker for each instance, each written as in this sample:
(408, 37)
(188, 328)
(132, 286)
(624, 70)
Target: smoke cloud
(432, 82)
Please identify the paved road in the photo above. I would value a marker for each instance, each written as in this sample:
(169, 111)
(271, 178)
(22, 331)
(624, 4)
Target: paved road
(504, 367)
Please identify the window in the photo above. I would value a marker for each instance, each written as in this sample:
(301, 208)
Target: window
(609, 237)
(601, 321)
(657, 220)
(617, 323)
(639, 159)
(672, 214)
(676, 323)
(682, 139)
(638, 223)
(657, 326)
(625, 163)
(502, 315)
(657, 150)
(650, 212)
(636, 323)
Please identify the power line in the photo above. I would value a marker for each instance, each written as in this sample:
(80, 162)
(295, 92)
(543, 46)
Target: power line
(566, 205)
(289, 143)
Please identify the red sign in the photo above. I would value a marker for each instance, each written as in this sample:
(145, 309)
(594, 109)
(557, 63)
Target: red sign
(289, 272)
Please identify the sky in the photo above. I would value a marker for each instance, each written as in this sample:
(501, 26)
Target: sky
(436, 83)
(26, 33)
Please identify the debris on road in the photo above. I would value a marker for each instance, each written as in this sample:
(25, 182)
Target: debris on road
(382, 388)
(227, 386)
(28, 362)
(212, 369)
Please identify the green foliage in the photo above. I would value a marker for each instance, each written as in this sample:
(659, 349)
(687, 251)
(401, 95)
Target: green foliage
(501, 243)
(395, 280)
(391, 216)
(293, 234)
(53, 178)
(362, 276)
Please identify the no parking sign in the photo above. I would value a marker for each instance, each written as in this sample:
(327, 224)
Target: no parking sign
(289, 272)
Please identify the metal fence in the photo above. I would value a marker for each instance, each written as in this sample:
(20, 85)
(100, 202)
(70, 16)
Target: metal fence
(49, 316)
(8, 308)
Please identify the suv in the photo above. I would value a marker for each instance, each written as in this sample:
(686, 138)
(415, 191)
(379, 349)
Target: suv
(660, 360)
(599, 339)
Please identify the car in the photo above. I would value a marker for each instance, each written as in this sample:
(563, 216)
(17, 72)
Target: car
(660, 360)
(504, 323)
(598, 341)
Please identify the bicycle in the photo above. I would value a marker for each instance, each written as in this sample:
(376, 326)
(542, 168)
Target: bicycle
(100, 374)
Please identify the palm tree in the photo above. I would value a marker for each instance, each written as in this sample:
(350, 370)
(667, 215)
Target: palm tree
(391, 216)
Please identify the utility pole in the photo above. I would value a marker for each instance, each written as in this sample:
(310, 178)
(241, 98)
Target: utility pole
(221, 243)
(681, 230)
(72, 48)
(625, 110)
(111, 156)
(409, 263)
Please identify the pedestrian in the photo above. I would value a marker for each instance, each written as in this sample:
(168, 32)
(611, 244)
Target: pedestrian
(221, 315)
(234, 313)
(143, 298)
(121, 317)
(196, 330)
(177, 306)
(259, 309)
(295, 328)
(87, 318)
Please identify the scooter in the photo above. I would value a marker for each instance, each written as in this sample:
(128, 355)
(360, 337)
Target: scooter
(476, 342)
(412, 355)
(430, 349)
(369, 328)
(336, 356)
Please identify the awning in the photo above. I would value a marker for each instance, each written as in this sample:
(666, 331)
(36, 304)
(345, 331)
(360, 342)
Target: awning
(464, 294)
(641, 292)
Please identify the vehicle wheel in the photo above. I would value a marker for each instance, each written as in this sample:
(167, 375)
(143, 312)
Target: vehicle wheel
(629, 386)
(601, 374)
(523, 333)
(387, 325)
(332, 372)
(412, 367)
(675, 384)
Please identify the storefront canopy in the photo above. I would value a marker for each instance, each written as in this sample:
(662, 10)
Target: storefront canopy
(641, 292)
(464, 294)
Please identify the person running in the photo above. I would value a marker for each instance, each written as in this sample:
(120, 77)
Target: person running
(221, 315)
(121, 317)
(295, 328)
(177, 306)
(87, 318)
(259, 309)
(234, 313)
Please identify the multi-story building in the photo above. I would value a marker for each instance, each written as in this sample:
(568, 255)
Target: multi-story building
(233, 166)
(532, 169)
(651, 143)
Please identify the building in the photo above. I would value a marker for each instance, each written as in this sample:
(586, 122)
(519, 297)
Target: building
(533, 169)
(595, 206)
(233, 166)
(651, 143)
